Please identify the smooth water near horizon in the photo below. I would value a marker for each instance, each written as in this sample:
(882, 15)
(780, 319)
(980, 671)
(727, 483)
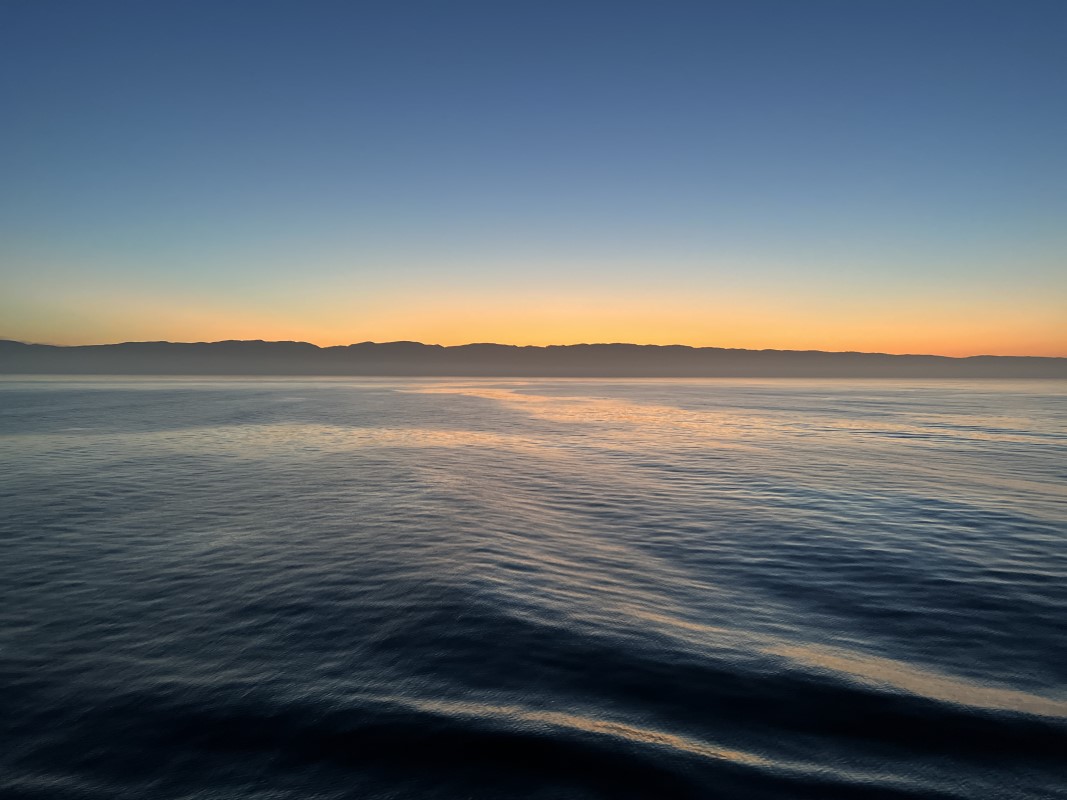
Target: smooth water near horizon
(281, 589)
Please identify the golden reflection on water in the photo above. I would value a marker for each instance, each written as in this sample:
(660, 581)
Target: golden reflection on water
(726, 423)
(596, 412)
(559, 719)
(914, 680)
(869, 669)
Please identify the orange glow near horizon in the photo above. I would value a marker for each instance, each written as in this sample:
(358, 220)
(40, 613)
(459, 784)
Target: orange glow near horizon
(977, 329)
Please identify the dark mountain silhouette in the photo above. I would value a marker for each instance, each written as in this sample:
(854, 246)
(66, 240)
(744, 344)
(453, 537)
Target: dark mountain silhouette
(496, 360)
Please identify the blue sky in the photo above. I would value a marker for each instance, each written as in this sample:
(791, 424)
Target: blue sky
(843, 175)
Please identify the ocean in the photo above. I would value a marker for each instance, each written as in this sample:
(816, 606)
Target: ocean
(316, 589)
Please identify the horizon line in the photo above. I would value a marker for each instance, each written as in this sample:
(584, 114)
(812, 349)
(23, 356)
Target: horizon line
(526, 346)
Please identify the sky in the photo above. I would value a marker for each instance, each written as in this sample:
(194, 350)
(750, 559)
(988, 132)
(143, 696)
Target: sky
(876, 175)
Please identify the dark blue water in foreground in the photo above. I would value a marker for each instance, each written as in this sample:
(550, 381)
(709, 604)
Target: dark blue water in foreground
(542, 589)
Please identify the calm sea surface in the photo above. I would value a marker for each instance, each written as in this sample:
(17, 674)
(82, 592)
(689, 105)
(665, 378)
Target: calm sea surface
(282, 589)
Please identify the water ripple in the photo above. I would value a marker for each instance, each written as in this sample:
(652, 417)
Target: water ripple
(532, 589)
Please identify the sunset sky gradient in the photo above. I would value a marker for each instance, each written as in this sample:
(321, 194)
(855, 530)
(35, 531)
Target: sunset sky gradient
(886, 175)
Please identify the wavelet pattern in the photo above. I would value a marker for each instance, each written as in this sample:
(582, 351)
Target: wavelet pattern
(336, 588)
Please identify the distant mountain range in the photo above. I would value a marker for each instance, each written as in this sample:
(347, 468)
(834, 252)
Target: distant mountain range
(497, 360)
